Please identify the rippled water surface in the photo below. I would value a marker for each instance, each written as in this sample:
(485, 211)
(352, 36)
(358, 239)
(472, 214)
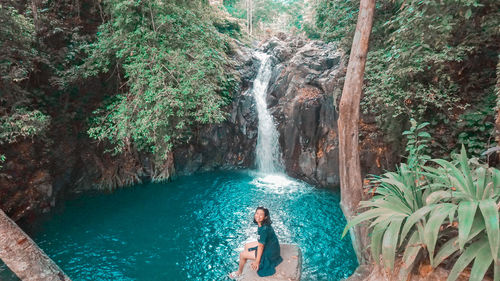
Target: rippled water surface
(193, 228)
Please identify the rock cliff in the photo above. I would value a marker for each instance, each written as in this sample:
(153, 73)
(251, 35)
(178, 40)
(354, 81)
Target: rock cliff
(303, 94)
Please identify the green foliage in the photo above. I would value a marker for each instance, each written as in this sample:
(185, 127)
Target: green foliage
(2, 159)
(228, 27)
(175, 69)
(398, 205)
(418, 140)
(22, 123)
(18, 56)
(476, 126)
(437, 212)
(236, 8)
(475, 191)
(277, 15)
(336, 21)
(428, 60)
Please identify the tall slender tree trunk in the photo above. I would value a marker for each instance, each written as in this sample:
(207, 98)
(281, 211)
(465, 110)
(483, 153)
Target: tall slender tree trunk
(23, 256)
(249, 16)
(36, 20)
(497, 123)
(351, 186)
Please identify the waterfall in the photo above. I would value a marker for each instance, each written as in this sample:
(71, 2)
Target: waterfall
(268, 156)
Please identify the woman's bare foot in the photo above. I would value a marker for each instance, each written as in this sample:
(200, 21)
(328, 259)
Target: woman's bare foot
(233, 275)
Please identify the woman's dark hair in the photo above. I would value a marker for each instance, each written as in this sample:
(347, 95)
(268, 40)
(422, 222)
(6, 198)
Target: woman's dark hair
(267, 220)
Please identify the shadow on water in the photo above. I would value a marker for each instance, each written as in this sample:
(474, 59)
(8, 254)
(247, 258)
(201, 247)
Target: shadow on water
(193, 228)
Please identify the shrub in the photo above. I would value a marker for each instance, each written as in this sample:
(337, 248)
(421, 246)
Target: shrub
(418, 205)
(176, 74)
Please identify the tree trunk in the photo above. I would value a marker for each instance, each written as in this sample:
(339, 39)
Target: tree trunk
(351, 186)
(497, 122)
(36, 21)
(249, 7)
(23, 256)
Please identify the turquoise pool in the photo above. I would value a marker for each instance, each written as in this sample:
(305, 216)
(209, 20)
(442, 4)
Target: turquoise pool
(193, 228)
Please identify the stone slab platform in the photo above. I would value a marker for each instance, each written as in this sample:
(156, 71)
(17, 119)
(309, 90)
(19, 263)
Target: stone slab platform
(289, 269)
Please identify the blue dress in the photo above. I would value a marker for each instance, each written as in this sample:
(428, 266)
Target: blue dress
(271, 254)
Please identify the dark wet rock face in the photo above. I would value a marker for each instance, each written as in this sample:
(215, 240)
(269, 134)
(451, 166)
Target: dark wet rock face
(25, 180)
(230, 144)
(306, 80)
(305, 87)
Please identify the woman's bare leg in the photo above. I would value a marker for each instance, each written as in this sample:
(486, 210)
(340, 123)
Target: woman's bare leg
(251, 245)
(246, 255)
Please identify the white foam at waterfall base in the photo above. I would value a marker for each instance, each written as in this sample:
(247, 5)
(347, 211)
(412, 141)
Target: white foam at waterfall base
(268, 156)
(278, 183)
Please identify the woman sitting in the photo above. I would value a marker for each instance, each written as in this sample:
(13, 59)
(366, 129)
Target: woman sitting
(265, 251)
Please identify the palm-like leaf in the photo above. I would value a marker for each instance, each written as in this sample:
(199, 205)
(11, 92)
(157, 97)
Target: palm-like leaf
(474, 251)
(451, 246)
(470, 189)
(398, 196)
(466, 212)
(433, 225)
(411, 206)
(490, 213)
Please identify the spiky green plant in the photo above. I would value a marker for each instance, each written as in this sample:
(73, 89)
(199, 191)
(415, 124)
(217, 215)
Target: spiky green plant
(475, 192)
(399, 204)
(418, 205)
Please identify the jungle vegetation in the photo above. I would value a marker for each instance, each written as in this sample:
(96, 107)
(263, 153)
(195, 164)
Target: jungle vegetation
(435, 211)
(434, 61)
(156, 70)
(143, 75)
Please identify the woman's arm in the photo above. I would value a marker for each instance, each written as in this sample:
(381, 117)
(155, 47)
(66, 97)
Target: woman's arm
(260, 250)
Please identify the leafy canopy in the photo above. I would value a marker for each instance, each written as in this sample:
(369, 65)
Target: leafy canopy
(428, 60)
(175, 73)
(18, 117)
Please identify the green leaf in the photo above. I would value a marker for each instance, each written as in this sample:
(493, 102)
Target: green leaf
(422, 125)
(477, 227)
(488, 191)
(466, 171)
(466, 213)
(424, 135)
(496, 272)
(468, 13)
(440, 195)
(452, 246)
(433, 226)
(481, 182)
(481, 264)
(455, 175)
(389, 243)
(370, 214)
(412, 249)
(446, 250)
(376, 239)
(413, 218)
(466, 257)
(490, 213)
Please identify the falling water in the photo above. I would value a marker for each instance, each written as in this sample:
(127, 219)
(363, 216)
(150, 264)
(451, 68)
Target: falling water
(268, 151)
